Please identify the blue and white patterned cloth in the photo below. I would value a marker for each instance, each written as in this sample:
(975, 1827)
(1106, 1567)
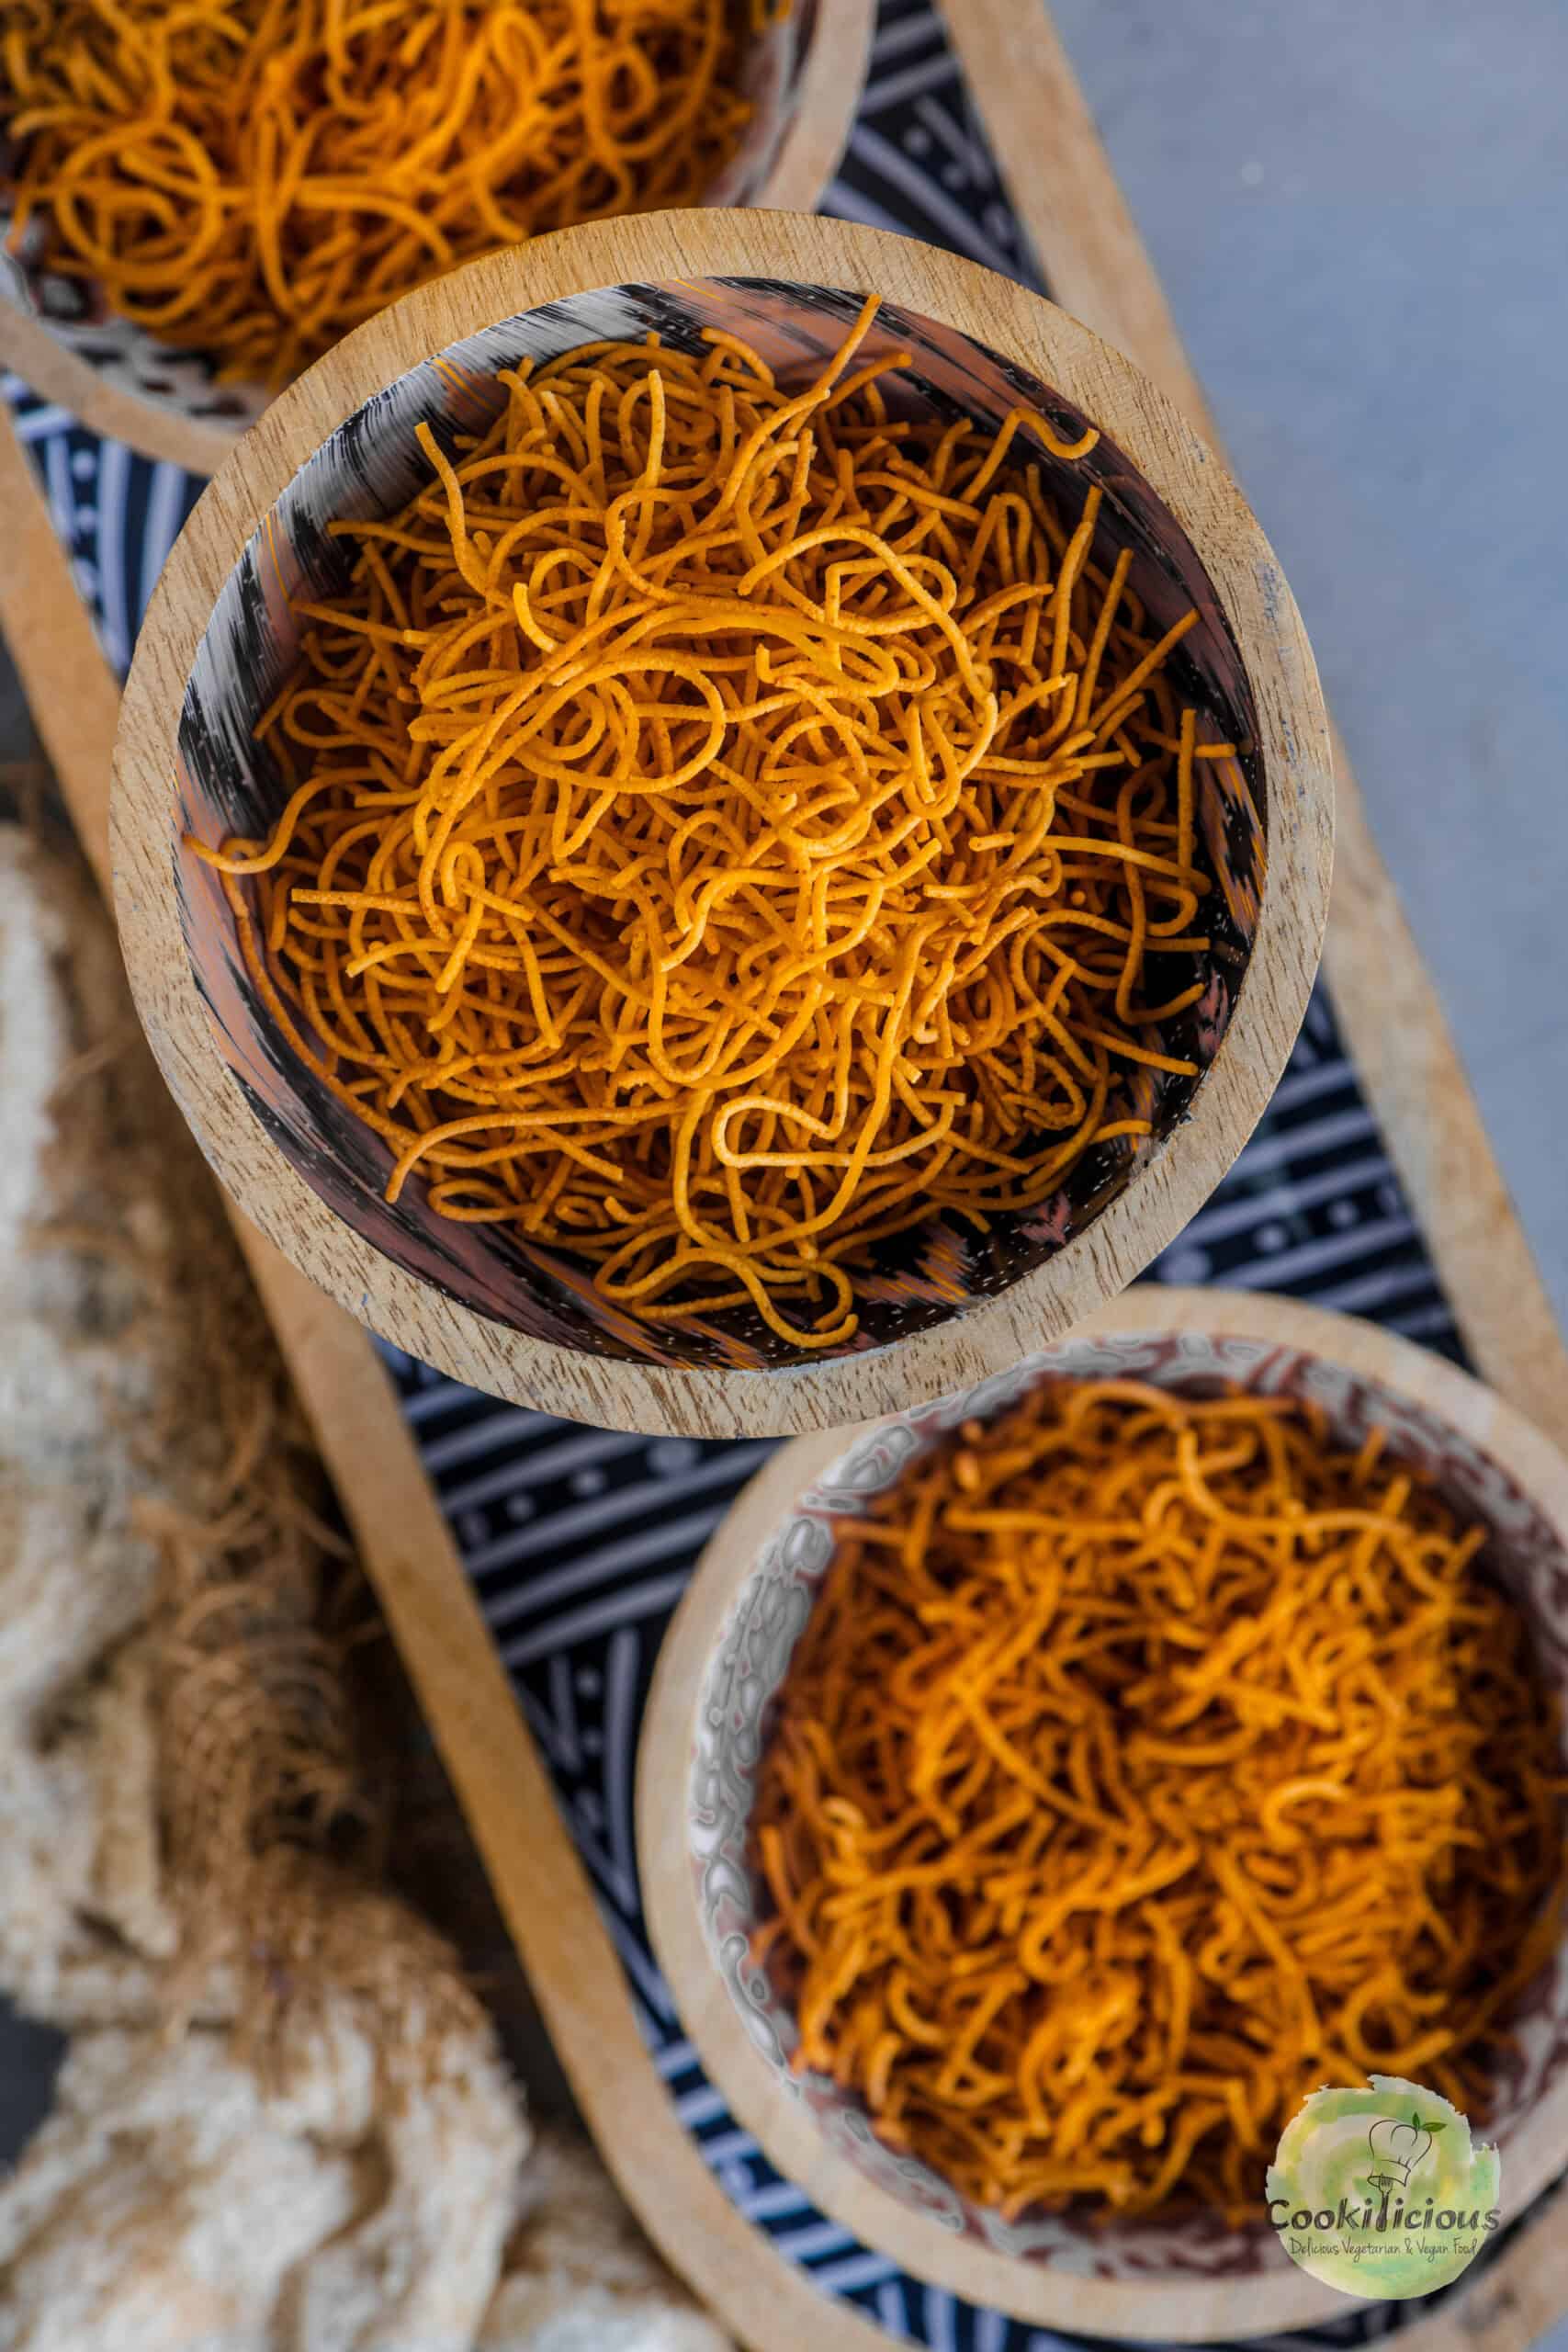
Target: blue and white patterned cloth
(581, 1542)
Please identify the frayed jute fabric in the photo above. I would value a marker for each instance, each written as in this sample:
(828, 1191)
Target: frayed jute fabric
(284, 2124)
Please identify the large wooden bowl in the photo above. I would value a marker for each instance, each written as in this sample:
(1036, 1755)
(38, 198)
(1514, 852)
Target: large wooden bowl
(805, 73)
(220, 636)
(726, 1655)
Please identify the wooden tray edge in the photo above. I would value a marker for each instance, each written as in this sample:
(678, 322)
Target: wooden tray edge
(1065, 192)
(408, 1553)
(1067, 198)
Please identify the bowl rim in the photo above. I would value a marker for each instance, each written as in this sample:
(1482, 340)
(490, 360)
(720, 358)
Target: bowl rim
(1169, 1187)
(1037, 2293)
(831, 81)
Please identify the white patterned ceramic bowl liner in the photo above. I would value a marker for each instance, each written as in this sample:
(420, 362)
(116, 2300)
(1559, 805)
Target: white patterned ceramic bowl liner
(759, 1637)
(78, 316)
(371, 466)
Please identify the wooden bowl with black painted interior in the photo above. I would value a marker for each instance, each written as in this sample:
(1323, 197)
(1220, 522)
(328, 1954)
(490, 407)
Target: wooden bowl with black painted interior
(803, 71)
(945, 1308)
(1177, 2276)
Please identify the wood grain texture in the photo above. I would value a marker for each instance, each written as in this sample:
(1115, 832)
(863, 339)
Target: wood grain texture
(1183, 1168)
(832, 74)
(74, 700)
(1043, 2294)
(1064, 191)
(765, 2303)
(832, 77)
(1516, 2299)
(35, 353)
(408, 1554)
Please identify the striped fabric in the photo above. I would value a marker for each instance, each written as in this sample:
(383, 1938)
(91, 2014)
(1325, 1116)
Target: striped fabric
(579, 1541)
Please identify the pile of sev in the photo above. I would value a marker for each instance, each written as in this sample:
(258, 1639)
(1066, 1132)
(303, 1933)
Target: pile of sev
(1143, 1765)
(727, 826)
(252, 178)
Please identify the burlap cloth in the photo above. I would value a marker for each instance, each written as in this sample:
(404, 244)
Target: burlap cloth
(284, 2124)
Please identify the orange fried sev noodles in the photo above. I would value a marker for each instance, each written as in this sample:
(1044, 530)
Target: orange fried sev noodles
(254, 177)
(729, 826)
(1145, 1764)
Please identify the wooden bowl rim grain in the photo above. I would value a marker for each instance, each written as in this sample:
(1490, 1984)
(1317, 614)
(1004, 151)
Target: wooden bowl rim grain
(1169, 1187)
(832, 77)
(1215, 2309)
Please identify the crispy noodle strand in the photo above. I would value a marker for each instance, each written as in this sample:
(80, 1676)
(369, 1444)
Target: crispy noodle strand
(252, 178)
(727, 826)
(1145, 1764)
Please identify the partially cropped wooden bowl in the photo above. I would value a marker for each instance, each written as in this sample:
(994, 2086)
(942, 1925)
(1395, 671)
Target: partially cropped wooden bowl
(220, 636)
(805, 75)
(723, 1660)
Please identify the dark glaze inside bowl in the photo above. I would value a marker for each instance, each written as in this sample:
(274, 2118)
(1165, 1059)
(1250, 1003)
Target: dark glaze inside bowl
(1525, 1555)
(370, 467)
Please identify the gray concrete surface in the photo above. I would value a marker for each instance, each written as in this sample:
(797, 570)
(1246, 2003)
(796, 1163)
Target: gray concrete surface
(1360, 214)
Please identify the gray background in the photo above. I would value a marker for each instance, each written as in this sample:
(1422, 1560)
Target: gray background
(1359, 210)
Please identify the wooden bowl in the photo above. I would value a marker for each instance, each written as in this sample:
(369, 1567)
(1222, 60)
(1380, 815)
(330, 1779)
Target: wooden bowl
(220, 636)
(804, 75)
(726, 1655)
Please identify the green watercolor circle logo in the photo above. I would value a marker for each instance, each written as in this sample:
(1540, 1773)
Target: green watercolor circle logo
(1381, 2193)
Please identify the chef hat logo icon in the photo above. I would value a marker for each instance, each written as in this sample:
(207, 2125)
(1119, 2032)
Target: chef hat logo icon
(1399, 2146)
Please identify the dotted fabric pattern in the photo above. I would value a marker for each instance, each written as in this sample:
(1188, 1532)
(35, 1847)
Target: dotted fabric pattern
(581, 1542)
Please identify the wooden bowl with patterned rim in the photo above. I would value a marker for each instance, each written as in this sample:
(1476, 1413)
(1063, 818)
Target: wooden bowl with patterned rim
(940, 1307)
(726, 1655)
(805, 75)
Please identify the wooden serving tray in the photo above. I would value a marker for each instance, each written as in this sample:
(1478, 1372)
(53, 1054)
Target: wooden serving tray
(1064, 192)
